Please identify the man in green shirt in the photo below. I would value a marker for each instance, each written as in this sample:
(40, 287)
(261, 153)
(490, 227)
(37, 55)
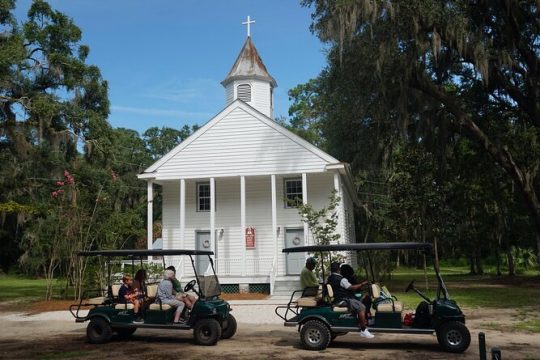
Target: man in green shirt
(307, 276)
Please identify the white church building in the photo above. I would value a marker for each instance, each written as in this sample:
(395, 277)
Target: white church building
(225, 188)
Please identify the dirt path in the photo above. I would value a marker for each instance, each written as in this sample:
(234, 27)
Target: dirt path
(62, 339)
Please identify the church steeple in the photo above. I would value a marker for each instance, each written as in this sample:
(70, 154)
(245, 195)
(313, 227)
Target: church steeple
(248, 79)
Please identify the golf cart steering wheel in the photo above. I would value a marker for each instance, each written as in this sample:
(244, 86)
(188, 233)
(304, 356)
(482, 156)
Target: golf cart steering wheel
(410, 287)
(190, 285)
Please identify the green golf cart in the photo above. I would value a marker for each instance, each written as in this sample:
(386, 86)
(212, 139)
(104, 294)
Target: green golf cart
(319, 321)
(210, 317)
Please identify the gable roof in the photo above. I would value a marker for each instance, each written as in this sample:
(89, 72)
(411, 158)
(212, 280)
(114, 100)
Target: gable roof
(248, 65)
(221, 115)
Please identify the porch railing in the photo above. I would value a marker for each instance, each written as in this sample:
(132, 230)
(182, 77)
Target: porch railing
(255, 265)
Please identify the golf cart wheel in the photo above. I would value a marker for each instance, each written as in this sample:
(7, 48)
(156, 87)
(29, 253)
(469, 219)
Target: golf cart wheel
(207, 332)
(229, 329)
(315, 335)
(124, 333)
(454, 337)
(98, 331)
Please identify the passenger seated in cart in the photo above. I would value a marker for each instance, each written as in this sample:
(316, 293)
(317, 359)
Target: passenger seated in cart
(165, 295)
(139, 285)
(343, 295)
(307, 276)
(126, 295)
(348, 273)
(187, 299)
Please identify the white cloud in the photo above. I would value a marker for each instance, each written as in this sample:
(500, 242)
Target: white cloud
(161, 112)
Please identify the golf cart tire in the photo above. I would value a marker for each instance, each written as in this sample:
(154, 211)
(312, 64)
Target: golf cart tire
(228, 331)
(454, 337)
(124, 333)
(315, 335)
(98, 331)
(207, 332)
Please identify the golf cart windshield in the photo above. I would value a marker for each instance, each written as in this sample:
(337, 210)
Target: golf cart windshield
(209, 285)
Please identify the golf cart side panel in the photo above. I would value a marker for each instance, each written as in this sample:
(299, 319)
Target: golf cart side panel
(217, 308)
(446, 310)
(387, 320)
(327, 315)
(111, 314)
(159, 316)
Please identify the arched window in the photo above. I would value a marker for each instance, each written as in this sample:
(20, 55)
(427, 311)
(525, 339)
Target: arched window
(244, 92)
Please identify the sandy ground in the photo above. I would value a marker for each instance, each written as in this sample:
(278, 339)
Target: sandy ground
(261, 335)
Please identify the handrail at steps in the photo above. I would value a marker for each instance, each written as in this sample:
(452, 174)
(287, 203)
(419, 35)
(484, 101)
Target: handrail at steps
(273, 273)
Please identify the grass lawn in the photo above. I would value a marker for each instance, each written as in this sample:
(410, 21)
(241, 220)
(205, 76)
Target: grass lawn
(16, 287)
(469, 291)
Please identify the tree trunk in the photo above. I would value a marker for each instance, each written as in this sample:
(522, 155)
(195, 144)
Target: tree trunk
(471, 263)
(511, 264)
(478, 262)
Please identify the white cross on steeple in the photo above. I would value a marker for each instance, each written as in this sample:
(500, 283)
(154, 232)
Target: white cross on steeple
(248, 23)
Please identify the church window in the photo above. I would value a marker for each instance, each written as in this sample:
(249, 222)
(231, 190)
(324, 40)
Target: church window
(244, 92)
(293, 192)
(203, 196)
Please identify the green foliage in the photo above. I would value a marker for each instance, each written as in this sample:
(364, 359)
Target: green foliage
(434, 105)
(68, 179)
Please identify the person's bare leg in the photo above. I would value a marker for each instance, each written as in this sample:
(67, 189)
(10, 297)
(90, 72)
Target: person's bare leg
(136, 306)
(362, 320)
(177, 315)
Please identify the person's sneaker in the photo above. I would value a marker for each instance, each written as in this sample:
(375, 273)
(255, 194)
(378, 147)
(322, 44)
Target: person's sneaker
(366, 334)
(138, 320)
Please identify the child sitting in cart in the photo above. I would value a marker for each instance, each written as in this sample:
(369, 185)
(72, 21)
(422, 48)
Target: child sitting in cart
(126, 295)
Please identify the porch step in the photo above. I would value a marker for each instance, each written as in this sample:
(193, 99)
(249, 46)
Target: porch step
(285, 287)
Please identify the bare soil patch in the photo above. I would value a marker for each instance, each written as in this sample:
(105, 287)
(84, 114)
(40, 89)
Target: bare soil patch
(51, 340)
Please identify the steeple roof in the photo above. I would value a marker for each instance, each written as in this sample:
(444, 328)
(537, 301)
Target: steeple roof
(248, 65)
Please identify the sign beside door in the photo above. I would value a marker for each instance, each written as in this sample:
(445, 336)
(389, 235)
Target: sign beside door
(250, 237)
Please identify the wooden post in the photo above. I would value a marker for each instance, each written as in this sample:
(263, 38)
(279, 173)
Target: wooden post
(304, 201)
(243, 221)
(182, 213)
(213, 219)
(150, 215)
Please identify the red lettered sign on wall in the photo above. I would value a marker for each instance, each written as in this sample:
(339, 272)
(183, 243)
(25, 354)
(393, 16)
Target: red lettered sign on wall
(250, 237)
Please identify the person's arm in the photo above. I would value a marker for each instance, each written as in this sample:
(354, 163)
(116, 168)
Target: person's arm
(313, 281)
(358, 286)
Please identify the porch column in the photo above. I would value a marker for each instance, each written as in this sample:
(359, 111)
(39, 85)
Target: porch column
(337, 187)
(150, 214)
(274, 215)
(243, 221)
(213, 218)
(304, 201)
(182, 213)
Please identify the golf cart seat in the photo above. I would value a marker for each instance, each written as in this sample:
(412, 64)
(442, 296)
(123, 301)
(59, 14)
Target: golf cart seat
(151, 291)
(126, 306)
(310, 297)
(156, 306)
(386, 303)
(115, 289)
(340, 309)
(96, 300)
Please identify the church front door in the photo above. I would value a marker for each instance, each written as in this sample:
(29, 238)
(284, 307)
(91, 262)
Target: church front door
(202, 243)
(295, 261)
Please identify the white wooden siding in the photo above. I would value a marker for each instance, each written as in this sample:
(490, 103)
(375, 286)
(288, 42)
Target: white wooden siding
(230, 243)
(229, 93)
(240, 144)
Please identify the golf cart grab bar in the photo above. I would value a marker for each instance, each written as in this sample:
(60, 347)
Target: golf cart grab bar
(288, 308)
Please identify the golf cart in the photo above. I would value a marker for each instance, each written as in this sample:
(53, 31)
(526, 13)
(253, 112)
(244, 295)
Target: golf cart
(209, 318)
(319, 321)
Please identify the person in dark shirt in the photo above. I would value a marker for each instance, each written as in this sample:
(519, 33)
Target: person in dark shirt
(126, 295)
(348, 272)
(343, 295)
